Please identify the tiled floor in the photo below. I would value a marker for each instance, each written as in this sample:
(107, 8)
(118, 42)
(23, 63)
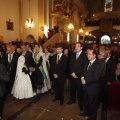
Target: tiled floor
(45, 109)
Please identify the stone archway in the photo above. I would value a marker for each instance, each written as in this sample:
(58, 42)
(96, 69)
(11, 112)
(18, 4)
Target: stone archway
(30, 39)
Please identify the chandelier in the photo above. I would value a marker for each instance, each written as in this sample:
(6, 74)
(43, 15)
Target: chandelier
(80, 31)
(70, 27)
(29, 22)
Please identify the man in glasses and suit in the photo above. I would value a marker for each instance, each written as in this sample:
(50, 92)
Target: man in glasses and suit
(77, 63)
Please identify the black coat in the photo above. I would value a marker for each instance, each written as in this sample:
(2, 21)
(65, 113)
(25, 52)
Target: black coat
(11, 67)
(4, 77)
(78, 65)
(92, 76)
(59, 68)
(29, 61)
(110, 70)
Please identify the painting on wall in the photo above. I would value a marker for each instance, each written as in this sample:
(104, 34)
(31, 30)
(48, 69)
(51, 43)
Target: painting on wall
(9, 25)
(108, 5)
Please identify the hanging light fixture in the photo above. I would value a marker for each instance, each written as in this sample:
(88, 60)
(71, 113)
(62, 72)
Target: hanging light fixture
(29, 22)
(80, 31)
(70, 27)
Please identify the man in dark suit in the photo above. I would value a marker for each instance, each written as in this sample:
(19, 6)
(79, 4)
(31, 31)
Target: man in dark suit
(90, 80)
(59, 65)
(77, 63)
(4, 78)
(107, 79)
(10, 62)
(28, 56)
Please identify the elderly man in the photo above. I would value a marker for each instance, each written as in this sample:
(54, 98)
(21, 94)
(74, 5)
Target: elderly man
(90, 80)
(10, 61)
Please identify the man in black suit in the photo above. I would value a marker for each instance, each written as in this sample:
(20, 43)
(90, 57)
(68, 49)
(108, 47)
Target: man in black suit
(4, 78)
(77, 63)
(28, 56)
(90, 80)
(107, 79)
(59, 65)
(10, 62)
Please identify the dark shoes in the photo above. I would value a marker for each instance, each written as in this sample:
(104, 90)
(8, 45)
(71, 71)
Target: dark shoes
(87, 118)
(82, 113)
(70, 102)
(61, 102)
(54, 100)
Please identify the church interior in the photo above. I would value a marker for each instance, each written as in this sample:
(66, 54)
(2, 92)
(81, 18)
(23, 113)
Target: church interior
(53, 22)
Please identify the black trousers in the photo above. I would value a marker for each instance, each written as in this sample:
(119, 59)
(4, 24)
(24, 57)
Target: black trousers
(91, 105)
(76, 87)
(1, 105)
(59, 89)
(9, 85)
(104, 96)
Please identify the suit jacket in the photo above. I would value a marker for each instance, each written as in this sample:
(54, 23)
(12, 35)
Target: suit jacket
(59, 68)
(3, 79)
(11, 67)
(29, 61)
(110, 70)
(78, 65)
(92, 76)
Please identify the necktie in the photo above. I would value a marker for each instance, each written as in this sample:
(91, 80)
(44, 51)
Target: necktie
(89, 65)
(77, 56)
(10, 59)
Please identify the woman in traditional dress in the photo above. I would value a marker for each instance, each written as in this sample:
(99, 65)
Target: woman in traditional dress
(22, 88)
(40, 60)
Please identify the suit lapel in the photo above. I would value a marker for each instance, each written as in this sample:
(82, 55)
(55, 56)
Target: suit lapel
(91, 65)
(56, 58)
(108, 61)
(13, 58)
(78, 57)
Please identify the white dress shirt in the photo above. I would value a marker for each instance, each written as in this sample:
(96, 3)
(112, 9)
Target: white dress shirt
(10, 55)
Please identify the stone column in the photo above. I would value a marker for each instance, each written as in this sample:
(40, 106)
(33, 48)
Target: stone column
(51, 19)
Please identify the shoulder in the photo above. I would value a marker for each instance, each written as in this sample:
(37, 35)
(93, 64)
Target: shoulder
(112, 61)
(97, 63)
(64, 56)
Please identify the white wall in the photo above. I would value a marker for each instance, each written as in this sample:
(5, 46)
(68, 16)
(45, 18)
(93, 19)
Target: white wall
(9, 9)
(34, 15)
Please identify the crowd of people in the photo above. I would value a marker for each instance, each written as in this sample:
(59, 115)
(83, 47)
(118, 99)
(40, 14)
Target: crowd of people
(28, 69)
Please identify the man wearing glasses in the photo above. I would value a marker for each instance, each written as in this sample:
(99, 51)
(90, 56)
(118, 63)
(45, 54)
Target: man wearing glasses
(77, 63)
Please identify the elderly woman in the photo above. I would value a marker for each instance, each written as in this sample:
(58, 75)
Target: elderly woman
(3, 79)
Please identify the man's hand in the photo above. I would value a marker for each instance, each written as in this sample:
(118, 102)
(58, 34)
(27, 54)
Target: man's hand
(83, 81)
(74, 75)
(55, 76)
(109, 83)
(32, 69)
